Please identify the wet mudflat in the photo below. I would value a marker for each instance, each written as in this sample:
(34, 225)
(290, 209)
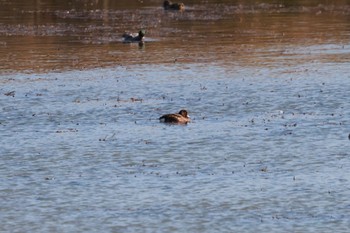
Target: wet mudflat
(267, 88)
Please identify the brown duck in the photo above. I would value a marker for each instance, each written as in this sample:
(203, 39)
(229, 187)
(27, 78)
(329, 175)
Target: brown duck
(176, 118)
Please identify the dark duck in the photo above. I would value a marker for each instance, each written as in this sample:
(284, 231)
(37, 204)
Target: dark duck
(168, 5)
(134, 37)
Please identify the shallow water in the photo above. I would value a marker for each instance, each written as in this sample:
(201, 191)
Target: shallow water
(56, 36)
(267, 149)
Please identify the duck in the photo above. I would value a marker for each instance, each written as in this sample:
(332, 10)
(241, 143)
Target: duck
(176, 118)
(168, 5)
(134, 37)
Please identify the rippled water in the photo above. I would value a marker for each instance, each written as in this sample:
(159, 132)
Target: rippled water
(267, 149)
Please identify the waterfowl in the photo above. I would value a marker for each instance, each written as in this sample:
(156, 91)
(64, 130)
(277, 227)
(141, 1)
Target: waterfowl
(176, 118)
(134, 37)
(168, 5)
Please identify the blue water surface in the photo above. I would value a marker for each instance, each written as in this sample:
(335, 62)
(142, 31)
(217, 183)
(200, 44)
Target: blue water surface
(267, 149)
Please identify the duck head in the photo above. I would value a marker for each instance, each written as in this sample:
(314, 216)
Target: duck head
(184, 113)
(166, 4)
(142, 33)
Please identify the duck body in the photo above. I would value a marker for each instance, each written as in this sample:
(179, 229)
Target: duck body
(134, 37)
(176, 118)
(168, 5)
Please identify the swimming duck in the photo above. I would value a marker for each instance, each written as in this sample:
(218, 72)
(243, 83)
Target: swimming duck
(176, 118)
(134, 37)
(173, 6)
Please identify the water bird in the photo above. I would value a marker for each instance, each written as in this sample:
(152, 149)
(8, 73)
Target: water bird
(134, 37)
(176, 118)
(11, 93)
(168, 5)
